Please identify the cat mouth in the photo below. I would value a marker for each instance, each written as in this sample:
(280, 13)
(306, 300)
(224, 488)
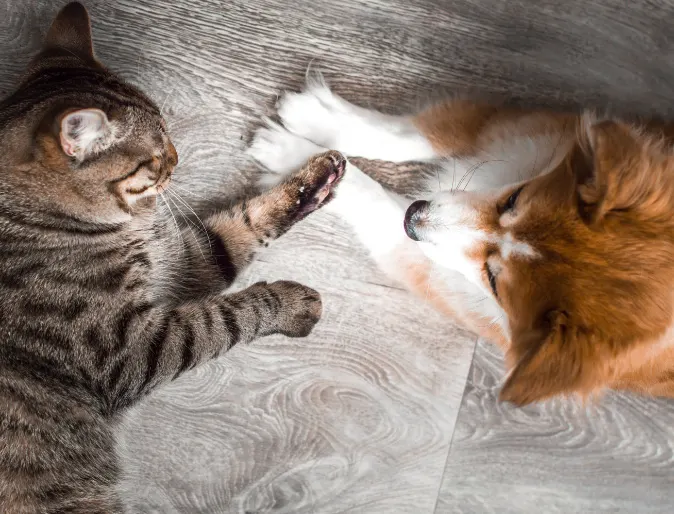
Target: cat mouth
(163, 182)
(163, 185)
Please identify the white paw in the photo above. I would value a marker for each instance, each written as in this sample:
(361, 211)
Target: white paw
(319, 115)
(316, 114)
(280, 152)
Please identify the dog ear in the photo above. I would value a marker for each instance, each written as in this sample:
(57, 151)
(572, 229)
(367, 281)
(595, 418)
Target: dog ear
(624, 175)
(560, 359)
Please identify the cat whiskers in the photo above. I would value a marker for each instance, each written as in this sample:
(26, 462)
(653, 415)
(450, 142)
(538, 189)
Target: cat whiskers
(161, 109)
(175, 221)
(186, 191)
(190, 224)
(203, 226)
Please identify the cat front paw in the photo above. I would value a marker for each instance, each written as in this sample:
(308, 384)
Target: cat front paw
(314, 184)
(300, 308)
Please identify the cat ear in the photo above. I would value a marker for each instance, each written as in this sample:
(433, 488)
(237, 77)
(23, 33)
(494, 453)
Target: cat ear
(71, 31)
(85, 132)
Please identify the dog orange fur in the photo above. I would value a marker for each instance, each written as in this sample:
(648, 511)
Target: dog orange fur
(596, 309)
(557, 235)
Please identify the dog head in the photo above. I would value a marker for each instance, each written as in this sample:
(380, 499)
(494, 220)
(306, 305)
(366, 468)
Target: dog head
(580, 260)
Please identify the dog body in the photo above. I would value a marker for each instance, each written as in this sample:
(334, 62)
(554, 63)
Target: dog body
(549, 234)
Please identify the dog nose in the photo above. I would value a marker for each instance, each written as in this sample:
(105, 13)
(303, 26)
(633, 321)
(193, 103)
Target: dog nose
(412, 217)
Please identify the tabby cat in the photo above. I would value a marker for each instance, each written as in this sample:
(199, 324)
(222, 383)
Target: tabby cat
(101, 303)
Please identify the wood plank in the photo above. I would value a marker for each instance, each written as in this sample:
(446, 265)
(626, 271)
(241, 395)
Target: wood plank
(356, 417)
(615, 455)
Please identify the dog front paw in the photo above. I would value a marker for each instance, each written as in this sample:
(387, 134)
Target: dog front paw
(280, 152)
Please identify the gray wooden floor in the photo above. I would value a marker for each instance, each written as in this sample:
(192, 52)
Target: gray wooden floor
(386, 407)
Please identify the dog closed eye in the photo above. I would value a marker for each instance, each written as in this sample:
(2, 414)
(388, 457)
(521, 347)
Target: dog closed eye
(509, 204)
(491, 277)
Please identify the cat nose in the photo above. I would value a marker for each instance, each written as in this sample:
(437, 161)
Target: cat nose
(415, 213)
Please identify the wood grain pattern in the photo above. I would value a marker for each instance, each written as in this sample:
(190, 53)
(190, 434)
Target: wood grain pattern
(615, 455)
(359, 417)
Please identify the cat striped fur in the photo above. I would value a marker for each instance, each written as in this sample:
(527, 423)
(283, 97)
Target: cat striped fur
(101, 302)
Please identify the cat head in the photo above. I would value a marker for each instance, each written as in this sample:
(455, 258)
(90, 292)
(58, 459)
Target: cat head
(77, 142)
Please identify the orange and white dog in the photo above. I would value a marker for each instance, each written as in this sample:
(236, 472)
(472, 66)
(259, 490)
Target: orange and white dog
(554, 237)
